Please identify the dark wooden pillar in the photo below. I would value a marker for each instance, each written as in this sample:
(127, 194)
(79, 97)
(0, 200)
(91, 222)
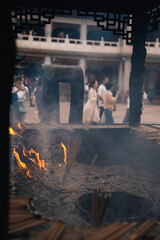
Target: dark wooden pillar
(139, 31)
(7, 52)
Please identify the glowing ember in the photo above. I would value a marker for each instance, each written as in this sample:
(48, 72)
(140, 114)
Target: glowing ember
(28, 174)
(19, 125)
(43, 165)
(12, 132)
(24, 152)
(65, 152)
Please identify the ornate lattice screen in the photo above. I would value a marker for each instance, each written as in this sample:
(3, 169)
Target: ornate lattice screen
(25, 17)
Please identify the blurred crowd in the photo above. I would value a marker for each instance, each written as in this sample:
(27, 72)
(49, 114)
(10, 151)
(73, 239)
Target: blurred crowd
(99, 100)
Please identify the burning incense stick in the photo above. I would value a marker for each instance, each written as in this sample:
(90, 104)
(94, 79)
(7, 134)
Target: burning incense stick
(72, 152)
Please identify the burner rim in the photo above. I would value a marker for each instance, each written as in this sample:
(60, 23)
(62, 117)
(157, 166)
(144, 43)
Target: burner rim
(89, 215)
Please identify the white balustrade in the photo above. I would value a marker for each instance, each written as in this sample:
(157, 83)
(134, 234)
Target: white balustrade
(68, 45)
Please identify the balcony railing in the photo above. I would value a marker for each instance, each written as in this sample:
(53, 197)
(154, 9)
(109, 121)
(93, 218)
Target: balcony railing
(79, 46)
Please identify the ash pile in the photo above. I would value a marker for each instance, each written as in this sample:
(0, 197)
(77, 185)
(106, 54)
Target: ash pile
(45, 165)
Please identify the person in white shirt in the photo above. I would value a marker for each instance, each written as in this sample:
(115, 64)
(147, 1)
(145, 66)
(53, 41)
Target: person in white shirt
(101, 93)
(18, 107)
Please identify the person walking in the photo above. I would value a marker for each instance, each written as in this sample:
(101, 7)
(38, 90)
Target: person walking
(101, 92)
(18, 106)
(109, 102)
(90, 112)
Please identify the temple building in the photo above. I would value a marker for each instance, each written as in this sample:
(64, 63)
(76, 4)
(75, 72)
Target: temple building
(75, 40)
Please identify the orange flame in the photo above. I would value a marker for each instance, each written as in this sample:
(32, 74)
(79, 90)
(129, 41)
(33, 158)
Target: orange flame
(12, 132)
(24, 153)
(65, 152)
(19, 162)
(19, 125)
(28, 174)
(27, 154)
(41, 163)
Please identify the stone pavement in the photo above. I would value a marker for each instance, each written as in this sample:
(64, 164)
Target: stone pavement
(151, 113)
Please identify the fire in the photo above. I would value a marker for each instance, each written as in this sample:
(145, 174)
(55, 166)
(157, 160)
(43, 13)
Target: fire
(19, 125)
(24, 153)
(28, 174)
(40, 163)
(43, 165)
(19, 162)
(12, 132)
(65, 152)
(36, 160)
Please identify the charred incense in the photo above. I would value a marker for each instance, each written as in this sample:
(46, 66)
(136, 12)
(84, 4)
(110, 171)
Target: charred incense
(93, 205)
(90, 170)
(75, 184)
(97, 213)
(102, 212)
(98, 199)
